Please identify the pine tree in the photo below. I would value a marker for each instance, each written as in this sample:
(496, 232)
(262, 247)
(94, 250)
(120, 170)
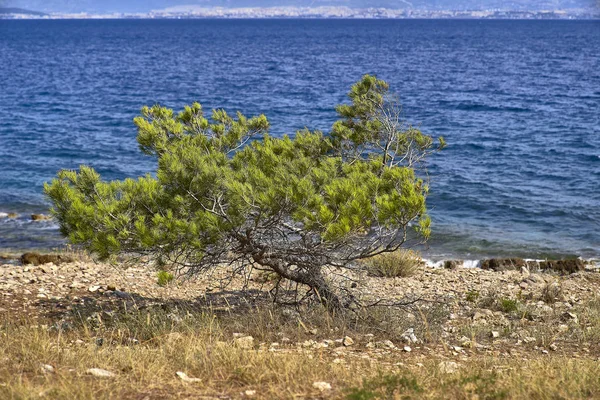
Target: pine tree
(226, 192)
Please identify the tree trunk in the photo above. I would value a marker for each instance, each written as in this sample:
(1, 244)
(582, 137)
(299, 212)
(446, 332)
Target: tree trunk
(309, 276)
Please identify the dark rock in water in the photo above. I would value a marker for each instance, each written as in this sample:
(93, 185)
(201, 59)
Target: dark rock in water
(563, 266)
(38, 259)
(503, 264)
(452, 264)
(40, 217)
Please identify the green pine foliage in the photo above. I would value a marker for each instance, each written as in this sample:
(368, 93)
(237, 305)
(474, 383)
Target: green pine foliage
(226, 190)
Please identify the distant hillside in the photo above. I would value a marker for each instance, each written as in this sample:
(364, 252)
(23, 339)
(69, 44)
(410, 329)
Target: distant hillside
(148, 5)
(13, 10)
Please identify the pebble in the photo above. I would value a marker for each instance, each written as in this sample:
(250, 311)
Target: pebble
(322, 386)
(100, 373)
(47, 368)
(184, 377)
(347, 341)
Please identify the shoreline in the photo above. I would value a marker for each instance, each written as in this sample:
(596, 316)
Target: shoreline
(497, 264)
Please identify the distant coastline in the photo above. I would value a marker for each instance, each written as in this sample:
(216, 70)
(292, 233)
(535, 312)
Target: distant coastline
(314, 13)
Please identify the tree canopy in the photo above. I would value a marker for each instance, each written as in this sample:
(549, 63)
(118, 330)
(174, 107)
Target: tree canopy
(226, 192)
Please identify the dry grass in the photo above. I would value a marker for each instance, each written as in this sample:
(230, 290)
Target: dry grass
(145, 349)
(401, 263)
(147, 370)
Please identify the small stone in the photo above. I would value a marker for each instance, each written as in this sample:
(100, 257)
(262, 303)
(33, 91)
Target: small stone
(93, 288)
(47, 368)
(250, 393)
(348, 341)
(495, 334)
(184, 377)
(322, 386)
(523, 285)
(40, 217)
(569, 316)
(245, 342)
(553, 347)
(409, 336)
(100, 373)
(407, 349)
(386, 344)
(313, 331)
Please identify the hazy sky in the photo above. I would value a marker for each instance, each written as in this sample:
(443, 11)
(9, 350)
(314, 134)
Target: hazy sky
(147, 5)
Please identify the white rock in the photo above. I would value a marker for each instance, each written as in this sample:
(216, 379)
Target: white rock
(409, 336)
(348, 341)
(94, 288)
(100, 373)
(553, 347)
(47, 368)
(407, 349)
(184, 377)
(250, 393)
(495, 334)
(322, 386)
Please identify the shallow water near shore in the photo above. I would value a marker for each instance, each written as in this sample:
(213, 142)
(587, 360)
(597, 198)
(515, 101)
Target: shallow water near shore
(517, 101)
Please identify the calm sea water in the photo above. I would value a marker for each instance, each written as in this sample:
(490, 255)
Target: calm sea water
(517, 101)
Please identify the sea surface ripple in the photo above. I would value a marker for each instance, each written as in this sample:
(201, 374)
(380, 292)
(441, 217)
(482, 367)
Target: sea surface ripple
(517, 101)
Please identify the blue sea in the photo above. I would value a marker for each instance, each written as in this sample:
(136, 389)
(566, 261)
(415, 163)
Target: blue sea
(517, 101)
